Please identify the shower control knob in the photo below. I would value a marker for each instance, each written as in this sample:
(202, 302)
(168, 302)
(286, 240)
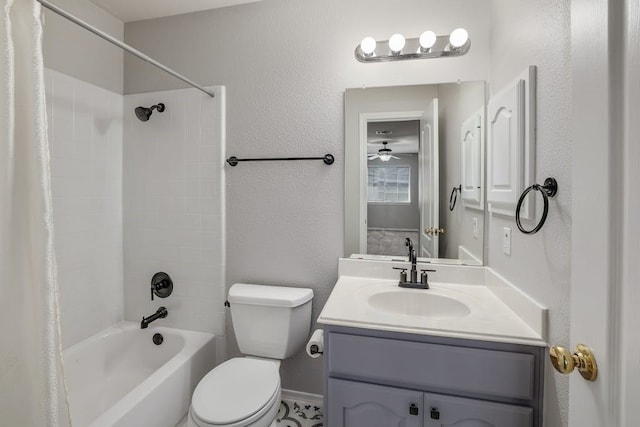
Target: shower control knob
(161, 285)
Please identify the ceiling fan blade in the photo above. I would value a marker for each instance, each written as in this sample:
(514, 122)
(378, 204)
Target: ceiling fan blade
(394, 157)
(373, 156)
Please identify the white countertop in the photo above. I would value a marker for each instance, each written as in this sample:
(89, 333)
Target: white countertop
(491, 309)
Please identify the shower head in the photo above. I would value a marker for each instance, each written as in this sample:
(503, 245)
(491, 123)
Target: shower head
(143, 113)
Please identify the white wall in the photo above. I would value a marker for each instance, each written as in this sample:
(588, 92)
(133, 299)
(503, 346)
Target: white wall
(286, 64)
(76, 52)
(538, 33)
(85, 132)
(174, 208)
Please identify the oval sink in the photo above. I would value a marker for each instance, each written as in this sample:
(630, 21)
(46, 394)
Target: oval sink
(423, 304)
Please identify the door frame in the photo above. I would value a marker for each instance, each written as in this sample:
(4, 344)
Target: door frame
(629, 347)
(364, 119)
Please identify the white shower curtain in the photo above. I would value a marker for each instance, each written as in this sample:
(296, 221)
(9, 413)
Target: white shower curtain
(31, 383)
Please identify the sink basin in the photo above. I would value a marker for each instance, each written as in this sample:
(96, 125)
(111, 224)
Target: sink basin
(420, 303)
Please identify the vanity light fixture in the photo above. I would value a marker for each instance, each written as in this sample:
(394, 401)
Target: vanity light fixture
(427, 40)
(428, 45)
(368, 46)
(458, 38)
(396, 44)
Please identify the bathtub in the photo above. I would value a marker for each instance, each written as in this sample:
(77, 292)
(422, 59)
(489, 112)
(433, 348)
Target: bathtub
(119, 377)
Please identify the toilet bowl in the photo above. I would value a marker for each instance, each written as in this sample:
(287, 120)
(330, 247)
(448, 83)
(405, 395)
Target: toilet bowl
(241, 392)
(270, 323)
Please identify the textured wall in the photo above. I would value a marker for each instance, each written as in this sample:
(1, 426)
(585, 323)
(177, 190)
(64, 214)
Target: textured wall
(85, 132)
(538, 33)
(286, 64)
(76, 52)
(174, 208)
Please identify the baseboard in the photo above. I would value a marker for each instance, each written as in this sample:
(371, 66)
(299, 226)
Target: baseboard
(314, 399)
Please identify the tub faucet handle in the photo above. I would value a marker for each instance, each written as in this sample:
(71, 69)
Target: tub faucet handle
(161, 285)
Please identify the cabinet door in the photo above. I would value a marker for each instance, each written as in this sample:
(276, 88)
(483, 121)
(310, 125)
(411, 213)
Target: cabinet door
(448, 411)
(354, 404)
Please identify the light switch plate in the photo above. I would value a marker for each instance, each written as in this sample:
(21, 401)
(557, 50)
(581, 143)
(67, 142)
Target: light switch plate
(506, 241)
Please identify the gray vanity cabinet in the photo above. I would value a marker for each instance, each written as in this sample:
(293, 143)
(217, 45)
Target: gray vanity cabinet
(442, 410)
(378, 378)
(356, 404)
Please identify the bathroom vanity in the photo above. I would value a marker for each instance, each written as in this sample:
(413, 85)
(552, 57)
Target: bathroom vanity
(454, 354)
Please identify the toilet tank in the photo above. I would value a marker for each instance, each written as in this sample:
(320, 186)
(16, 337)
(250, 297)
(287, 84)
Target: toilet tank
(270, 321)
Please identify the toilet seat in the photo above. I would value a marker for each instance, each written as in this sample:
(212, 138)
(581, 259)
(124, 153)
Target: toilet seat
(236, 393)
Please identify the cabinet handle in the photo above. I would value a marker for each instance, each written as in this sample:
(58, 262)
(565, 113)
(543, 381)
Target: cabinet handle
(435, 414)
(413, 409)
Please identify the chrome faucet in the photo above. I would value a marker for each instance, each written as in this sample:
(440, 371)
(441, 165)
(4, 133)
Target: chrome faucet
(413, 278)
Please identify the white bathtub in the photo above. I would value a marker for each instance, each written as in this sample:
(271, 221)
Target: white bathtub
(119, 377)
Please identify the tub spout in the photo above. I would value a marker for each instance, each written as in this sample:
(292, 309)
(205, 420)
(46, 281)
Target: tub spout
(161, 313)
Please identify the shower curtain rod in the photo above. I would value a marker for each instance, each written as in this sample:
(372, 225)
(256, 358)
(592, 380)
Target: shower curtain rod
(121, 45)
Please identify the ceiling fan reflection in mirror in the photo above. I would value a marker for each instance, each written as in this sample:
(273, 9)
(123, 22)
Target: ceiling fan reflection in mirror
(384, 154)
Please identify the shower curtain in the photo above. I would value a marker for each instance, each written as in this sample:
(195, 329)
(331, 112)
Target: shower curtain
(31, 382)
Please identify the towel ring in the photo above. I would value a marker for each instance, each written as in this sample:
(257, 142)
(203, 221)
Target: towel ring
(453, 198)
(549, 189)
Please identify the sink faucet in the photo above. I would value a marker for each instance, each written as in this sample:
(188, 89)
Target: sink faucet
(413, 259)
(160, 313)
(413, 278)
(409, 244)
(414, 264)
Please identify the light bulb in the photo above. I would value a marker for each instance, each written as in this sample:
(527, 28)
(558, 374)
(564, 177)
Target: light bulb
(368, 46)
(458, 38)
(385, 157)
(427, 40)
(396, 43)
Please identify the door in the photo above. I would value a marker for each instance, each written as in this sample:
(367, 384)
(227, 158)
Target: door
(444, 411)
(355, 404)
(605, 227)
(429, 183)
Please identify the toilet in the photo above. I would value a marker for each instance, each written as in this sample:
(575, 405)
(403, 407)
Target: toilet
(270, 324)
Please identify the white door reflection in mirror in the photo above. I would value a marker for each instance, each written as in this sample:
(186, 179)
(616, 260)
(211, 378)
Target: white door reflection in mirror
(429, 183)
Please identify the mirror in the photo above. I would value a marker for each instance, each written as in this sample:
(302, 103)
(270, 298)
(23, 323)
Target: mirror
(414, 167)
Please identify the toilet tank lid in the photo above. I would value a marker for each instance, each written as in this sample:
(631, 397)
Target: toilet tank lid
(275, 296)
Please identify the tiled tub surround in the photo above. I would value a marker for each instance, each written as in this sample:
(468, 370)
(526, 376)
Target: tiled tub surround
(120, 377)
(174, 208)
(85, 132)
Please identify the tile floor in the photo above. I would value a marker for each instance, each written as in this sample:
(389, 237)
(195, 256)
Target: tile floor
(298, 414)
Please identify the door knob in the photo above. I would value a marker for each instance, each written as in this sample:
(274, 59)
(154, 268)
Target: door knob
(583, 359)
(434, 231)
